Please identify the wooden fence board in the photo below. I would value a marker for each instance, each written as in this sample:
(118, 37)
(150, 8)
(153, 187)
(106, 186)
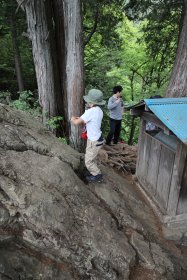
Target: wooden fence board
(182, 206)
(144, 159)
(164, 176)
(140, 147)
(176, 179)
(154, 161)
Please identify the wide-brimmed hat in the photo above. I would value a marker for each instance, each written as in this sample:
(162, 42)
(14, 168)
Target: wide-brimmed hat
(94, 96)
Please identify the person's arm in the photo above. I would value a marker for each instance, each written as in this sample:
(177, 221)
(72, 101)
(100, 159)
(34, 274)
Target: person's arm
(86, 117)
(77, 120)
(122, 107)
(114, 104)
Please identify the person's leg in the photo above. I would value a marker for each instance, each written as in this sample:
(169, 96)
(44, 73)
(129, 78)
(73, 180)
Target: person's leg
(90, 157)
(111, 132)
(117, 131)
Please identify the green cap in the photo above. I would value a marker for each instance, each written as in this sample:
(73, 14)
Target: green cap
(94, 96)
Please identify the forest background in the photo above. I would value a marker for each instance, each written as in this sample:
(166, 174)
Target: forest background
(131, 43)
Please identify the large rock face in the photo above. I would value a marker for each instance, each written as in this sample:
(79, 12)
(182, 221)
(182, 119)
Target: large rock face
(54, 226)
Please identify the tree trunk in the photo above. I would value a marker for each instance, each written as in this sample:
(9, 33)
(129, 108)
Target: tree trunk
(58, 59)
(68, 27)
(74, 81)
(17, 57)
(58, 16)
(40, 29)
(178, 80)
(133, 126)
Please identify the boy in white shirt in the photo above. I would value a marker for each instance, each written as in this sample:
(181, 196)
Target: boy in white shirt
(92, 118)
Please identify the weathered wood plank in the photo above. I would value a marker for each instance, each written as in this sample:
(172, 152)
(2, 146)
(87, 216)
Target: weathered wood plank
(182, 205)
(164, 176)
(144, 159)
(140, 147)
(154, 161)
(176, 179)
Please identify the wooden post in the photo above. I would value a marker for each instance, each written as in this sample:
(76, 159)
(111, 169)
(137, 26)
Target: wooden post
(140, 141)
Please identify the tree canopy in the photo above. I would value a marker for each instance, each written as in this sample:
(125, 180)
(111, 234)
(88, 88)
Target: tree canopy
(132, 43)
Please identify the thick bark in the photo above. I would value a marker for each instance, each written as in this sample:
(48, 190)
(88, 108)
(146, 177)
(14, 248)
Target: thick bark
(178, 81)
(60, 79)
(40, 31)
(73, 66)
(17, 57)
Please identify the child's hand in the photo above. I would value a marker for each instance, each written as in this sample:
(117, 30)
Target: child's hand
(74, 118)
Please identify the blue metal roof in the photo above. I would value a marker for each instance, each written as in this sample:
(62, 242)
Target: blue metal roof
(173, 113)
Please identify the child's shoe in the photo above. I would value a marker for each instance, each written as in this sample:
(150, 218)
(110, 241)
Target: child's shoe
(95, 179)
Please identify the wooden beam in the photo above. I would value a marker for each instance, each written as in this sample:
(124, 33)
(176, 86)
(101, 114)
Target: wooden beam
(140, 144)
(137, 112)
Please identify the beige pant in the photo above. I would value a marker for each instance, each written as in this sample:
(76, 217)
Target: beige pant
(92, 151)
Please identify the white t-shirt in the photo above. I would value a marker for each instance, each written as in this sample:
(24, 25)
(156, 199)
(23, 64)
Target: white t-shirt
(93, 118)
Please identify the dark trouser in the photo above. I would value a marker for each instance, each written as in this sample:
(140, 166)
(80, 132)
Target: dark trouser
(115, 128)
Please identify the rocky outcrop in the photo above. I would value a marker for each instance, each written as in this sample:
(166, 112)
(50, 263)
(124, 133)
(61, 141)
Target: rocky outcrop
(54, 226)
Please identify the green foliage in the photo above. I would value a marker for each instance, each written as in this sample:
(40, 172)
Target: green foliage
(54, 122)
(8, 80)
(161, 31)
(98, 61)
(139, 72)
(100, 20)
(27, 102)
(136, 54)
(158, 10)
(126, 128)
(5, 97)
(63, 140)
(102, 17)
